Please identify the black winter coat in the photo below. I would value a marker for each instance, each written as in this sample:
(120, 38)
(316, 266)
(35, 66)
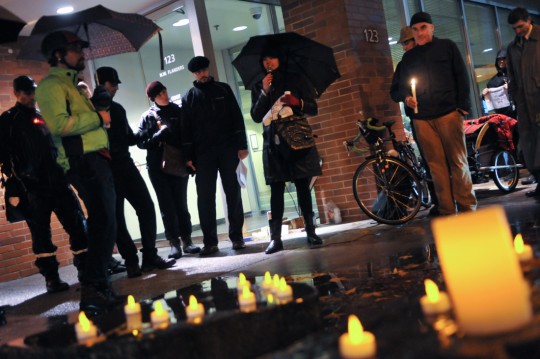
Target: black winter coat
(121, 136)
(151, 138)
(302, 164)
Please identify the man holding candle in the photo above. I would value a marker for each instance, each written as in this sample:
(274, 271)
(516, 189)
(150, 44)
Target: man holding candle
(524, 70)
(442, 99)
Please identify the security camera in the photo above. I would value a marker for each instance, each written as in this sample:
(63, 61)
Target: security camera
(256, 12)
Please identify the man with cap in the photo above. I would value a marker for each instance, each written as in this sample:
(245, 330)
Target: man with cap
(524, 71)
(160, 131)
(214, 141)
(28, 155)
(129, 184)
(79, 133)
(442, 99)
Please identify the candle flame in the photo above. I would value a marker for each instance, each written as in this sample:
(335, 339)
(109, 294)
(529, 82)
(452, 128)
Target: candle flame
(519, 246)
(282, 284)
(356, 331)
(432, 290)
(241, 279)
(193, 302)
(270, 298)
(84, 322)
(276, 281)
(246, 293)
(413, 82)
(267, 278)
(158, 308)
(130, 301)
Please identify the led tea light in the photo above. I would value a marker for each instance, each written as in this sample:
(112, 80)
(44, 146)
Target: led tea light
(357, 343)
(523, 251)
(132, 310)
(284, 292)
(434, 302)
(275, 283)
(159, 317)
(247, 301)
(195, 310)
(267, 282)
(86, 330)
(242, 282)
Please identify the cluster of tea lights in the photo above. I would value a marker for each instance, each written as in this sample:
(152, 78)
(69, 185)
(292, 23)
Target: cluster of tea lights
(274, 288)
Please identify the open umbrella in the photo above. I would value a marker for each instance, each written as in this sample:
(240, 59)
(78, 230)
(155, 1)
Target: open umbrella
(301, 55)
(108, 32)
(10, 24)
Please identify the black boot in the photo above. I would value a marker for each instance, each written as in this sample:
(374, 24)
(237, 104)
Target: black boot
(275, 244)
(99, 298)
(312, 238)
(176, 251)
(188, 246)
(79, 261)
(151, 261)
(48, 267)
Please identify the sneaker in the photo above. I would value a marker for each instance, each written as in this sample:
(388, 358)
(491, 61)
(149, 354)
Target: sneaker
(238, 244)
(176, 251)
(190, 248)
(529, 180)
(97, 298)
(156, 262)
(133, 270)
(115, 266)
(208, 250)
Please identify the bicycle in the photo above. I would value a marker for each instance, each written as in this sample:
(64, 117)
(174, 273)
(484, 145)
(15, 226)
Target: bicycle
(389, 186)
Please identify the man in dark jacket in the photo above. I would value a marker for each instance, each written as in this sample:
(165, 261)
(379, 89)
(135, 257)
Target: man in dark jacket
(129, 185)
(441, 101)
(28, 155)
(214, 141)
(524, 71)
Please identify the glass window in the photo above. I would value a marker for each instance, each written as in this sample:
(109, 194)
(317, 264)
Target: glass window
(507, 34)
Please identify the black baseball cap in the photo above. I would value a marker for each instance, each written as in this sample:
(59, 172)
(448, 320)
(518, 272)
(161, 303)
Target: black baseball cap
(25, 84)
(105, 73)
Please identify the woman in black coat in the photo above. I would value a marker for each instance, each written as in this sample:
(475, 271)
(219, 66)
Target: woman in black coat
(299, 166)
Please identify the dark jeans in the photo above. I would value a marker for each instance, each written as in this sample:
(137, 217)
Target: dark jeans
(171, 193)
(91, 176)
(130, 185)
(61, 200)
(225, 161)
(277, 202)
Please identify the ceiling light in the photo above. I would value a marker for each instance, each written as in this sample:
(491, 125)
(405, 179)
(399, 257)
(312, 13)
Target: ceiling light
(392, 43)
(181, 22)
(487, 50)
(64, 10)
(239, 28)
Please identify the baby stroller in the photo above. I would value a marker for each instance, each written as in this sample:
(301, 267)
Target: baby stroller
(491, 150)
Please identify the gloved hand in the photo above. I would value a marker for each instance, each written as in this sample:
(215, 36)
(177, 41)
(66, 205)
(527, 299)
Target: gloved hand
(101, 98)
(290, 100)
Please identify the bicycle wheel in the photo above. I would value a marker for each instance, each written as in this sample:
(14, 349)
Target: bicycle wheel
(506, 174)
(387, 190)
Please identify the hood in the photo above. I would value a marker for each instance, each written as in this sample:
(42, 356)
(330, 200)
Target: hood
(500, 54)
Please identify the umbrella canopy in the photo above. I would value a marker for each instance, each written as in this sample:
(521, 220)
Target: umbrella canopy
(108, 32)
(297, 54)
(10, 24)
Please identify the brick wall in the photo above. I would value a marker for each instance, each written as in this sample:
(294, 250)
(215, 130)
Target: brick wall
(16, 257)
(366, 73)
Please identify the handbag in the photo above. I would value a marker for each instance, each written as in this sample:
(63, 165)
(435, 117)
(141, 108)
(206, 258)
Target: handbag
(292, 135)
(172, 161)
(16, 197)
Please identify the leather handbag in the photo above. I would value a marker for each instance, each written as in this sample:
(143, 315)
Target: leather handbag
(172, 161)
(292, 134)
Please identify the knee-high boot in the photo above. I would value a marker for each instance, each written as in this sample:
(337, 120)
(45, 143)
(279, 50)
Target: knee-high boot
(276, 244)
(48, 267)
(312, 237)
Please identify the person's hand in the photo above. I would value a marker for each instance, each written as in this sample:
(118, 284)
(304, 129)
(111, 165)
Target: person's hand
(106, 117)
(505, 85)
(267, 82)
(191, 165)
(410, 102)
(242, 154)
(290, 100)
(485, 91)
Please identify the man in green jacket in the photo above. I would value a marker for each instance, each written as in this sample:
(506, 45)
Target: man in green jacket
(79, 133)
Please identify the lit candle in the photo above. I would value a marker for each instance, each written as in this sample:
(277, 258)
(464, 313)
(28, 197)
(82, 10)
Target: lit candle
(242, 282)
(434, 302)
(267, 282)
(195, 310)
(489, 294)
(284, 293)
(132, 311)
(357, 343)
(413, 89)
(270, 301)
(86, 330)
(247, 301)
(159, 317)
(275, 283)
(524, 251)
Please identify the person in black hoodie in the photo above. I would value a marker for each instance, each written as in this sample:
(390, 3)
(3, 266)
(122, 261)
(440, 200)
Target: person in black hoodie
(500, 79)
(129, 184)
(160, 126)
(28, 155)
(214, 141)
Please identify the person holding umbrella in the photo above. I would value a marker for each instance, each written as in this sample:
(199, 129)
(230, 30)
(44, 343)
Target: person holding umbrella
(300, 166)
(79, 134)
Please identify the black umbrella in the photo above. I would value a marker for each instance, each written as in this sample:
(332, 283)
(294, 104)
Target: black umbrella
(10, 24)
(108, 32)
(301, 55)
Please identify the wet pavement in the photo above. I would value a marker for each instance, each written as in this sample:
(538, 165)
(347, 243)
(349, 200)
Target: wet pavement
(373, 271)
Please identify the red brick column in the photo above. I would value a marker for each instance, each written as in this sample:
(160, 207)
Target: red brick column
(366, 73)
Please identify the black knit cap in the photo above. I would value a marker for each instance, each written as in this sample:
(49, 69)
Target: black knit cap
(105, 73)
(153, 89)
(198, 63)
(24, 83)
(420, 17)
